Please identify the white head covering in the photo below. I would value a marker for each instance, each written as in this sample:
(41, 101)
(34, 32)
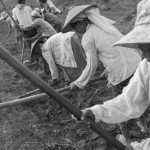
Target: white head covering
(141, 32)
(92, 13)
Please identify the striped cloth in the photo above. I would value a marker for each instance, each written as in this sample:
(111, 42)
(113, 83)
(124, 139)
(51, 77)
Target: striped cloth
(80, 58)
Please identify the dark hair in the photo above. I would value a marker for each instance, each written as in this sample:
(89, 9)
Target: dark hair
(21, 1)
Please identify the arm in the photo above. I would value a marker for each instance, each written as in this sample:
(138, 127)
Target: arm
(91, 59)
(33, 25)
(132, 103)
(47, 54)
(88, 72)
(15, 17)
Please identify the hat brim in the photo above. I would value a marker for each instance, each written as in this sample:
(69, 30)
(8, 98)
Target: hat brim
(2, 18)
(139, 35)
(67, 26)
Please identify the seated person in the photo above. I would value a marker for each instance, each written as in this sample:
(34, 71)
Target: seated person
(22, 16)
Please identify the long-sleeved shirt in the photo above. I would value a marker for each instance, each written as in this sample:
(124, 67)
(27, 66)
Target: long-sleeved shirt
(23, 16)
(42, 26)
(133, 101)
(58, 50)
(119, 62)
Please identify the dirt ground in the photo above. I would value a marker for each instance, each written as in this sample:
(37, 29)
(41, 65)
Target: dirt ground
(25, 127)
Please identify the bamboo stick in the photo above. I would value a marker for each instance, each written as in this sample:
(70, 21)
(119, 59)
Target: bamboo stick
(38, 90)
(29, 99)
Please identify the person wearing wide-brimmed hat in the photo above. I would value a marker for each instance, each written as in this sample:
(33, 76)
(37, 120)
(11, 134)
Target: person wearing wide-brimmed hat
(135, 98)
(99, 35)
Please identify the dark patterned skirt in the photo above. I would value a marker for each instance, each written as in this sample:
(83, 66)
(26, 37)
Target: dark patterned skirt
(80, 58)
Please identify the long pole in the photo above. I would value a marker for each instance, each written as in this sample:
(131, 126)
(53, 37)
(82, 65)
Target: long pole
(12, 61)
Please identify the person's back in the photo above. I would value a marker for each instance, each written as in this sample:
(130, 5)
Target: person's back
(44, 27)
(22, 14)
(119, 62)
(64, 50)
(60, 45)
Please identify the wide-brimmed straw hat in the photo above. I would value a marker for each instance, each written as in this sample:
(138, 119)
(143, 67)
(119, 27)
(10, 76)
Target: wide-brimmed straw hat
(3, 15)
(141, 31)
(73, 12)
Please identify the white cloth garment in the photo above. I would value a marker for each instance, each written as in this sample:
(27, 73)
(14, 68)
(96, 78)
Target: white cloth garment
(132, 103)
(57, 49)
(102, 22)
(120, 63)
(50, 4)
(22, 15)
(143, 145)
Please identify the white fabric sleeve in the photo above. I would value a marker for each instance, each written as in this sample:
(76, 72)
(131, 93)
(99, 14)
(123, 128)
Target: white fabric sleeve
(47, 54)
(132, 103)
(30, 9)
(14, 15)
(88, 72)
